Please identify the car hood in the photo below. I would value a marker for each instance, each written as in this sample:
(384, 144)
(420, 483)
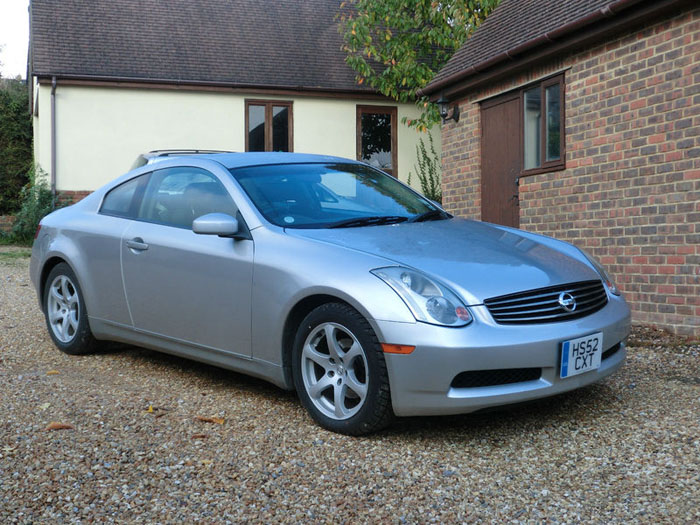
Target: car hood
(478, 260)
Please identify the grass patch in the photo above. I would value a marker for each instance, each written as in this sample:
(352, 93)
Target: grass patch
(10, 254)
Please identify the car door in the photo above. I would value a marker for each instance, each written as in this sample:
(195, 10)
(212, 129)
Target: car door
(181, 285)
(100, 243)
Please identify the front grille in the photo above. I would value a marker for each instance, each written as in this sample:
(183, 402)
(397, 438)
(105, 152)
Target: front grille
(542, 305)
(477, 378)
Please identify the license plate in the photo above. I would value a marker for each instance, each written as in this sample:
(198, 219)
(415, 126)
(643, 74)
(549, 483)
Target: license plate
(581, 355)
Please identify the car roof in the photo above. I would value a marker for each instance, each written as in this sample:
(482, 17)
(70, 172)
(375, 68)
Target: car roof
(241, 160)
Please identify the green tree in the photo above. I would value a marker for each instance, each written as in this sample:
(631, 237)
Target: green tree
(397, 46)
(15, 142)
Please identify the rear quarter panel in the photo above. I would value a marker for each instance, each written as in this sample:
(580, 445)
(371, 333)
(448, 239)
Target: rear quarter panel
(89, 243)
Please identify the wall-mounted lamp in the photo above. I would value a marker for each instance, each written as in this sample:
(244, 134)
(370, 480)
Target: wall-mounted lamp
(444, 107)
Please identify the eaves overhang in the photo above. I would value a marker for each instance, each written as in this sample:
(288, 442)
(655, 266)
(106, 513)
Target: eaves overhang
(591, 29)
(199, 85)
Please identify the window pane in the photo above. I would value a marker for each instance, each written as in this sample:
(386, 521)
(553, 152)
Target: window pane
(532, 121)
(320, 195)
(119, 201)
(175, 197)
(553, 122)
(256, 128)
(376, 139)
(280, 128)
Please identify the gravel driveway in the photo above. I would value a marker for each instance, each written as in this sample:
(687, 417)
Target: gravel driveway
(625, 449)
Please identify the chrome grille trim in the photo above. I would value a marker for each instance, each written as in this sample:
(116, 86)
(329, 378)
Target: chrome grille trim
(542, 305)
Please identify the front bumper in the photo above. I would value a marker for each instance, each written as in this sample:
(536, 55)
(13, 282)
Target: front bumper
(421, 382)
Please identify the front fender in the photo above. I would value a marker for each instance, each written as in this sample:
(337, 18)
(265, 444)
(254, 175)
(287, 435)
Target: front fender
(313, 269)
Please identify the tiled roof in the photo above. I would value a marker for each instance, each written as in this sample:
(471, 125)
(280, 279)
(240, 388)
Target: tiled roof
(514, 23)
(249, 43)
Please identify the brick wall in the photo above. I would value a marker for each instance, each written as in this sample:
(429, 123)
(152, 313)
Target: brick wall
(630, 193)
(65, 198)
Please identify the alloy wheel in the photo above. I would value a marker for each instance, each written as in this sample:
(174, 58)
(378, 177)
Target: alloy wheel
(63, 308)
(334, 371)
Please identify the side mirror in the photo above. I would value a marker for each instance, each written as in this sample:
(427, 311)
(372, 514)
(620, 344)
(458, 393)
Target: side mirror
(215, 224)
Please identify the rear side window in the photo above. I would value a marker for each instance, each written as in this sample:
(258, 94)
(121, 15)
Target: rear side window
(125, 199)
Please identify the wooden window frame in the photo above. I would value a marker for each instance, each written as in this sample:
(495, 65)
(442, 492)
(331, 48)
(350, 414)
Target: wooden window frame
(361, 110)
(268, 121)
(552, 165)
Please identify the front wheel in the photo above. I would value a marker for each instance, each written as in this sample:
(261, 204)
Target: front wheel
(339, 371)
(66, 315)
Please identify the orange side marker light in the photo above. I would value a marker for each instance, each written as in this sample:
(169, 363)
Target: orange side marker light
(397, 349)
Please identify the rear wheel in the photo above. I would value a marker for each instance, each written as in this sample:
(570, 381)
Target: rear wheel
(339, 371)
(65, 312)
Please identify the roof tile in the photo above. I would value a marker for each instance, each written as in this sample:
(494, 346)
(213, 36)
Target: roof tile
(262, 43)
(515, 22)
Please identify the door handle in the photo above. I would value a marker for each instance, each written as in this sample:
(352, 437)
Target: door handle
(137, 244)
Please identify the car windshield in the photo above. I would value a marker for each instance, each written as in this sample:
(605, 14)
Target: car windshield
(328, 195)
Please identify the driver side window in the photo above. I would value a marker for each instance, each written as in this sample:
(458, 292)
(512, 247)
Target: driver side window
(177, 196)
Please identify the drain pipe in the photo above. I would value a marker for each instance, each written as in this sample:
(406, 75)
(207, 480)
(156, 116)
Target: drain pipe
(53, 143)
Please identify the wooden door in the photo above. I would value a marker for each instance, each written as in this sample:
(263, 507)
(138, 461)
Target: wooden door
(500, 160)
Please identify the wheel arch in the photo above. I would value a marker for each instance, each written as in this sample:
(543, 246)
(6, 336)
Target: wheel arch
(294, 318)
(49, 265)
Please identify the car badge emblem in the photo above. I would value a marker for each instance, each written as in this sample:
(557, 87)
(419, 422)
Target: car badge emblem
(567, 302)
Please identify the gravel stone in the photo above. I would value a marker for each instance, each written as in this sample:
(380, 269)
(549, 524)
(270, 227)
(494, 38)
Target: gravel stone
(626, 449)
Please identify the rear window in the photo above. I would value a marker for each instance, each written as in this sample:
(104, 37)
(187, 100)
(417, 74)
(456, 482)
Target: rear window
(141, 160)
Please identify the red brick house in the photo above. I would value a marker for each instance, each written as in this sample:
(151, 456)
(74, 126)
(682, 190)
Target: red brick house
(580, 119)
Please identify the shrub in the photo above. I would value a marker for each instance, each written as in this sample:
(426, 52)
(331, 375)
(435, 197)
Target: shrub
(5, 239)
(428, 171)
(36, 203)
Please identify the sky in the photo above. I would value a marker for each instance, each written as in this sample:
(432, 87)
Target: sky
(14, 37)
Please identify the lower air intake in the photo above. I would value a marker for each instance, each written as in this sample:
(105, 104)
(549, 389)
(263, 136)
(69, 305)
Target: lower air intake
(479, 378)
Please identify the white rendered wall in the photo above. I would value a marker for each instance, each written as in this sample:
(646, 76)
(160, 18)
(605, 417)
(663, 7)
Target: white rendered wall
(101, 130)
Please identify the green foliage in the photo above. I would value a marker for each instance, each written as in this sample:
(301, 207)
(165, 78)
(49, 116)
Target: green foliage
(36, 203)
(397, 46)
(15, 143)
(428, 170)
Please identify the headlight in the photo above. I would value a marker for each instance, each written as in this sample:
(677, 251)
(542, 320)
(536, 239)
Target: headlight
(601, 271)
(428, 300)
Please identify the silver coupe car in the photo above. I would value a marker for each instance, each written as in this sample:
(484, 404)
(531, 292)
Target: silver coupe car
(327, 276)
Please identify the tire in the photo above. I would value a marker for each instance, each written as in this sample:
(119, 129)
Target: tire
(344, 386)
(65, 312)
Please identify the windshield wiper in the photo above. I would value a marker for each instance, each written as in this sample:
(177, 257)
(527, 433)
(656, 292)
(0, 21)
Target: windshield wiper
(368, 221)
(430, 216)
